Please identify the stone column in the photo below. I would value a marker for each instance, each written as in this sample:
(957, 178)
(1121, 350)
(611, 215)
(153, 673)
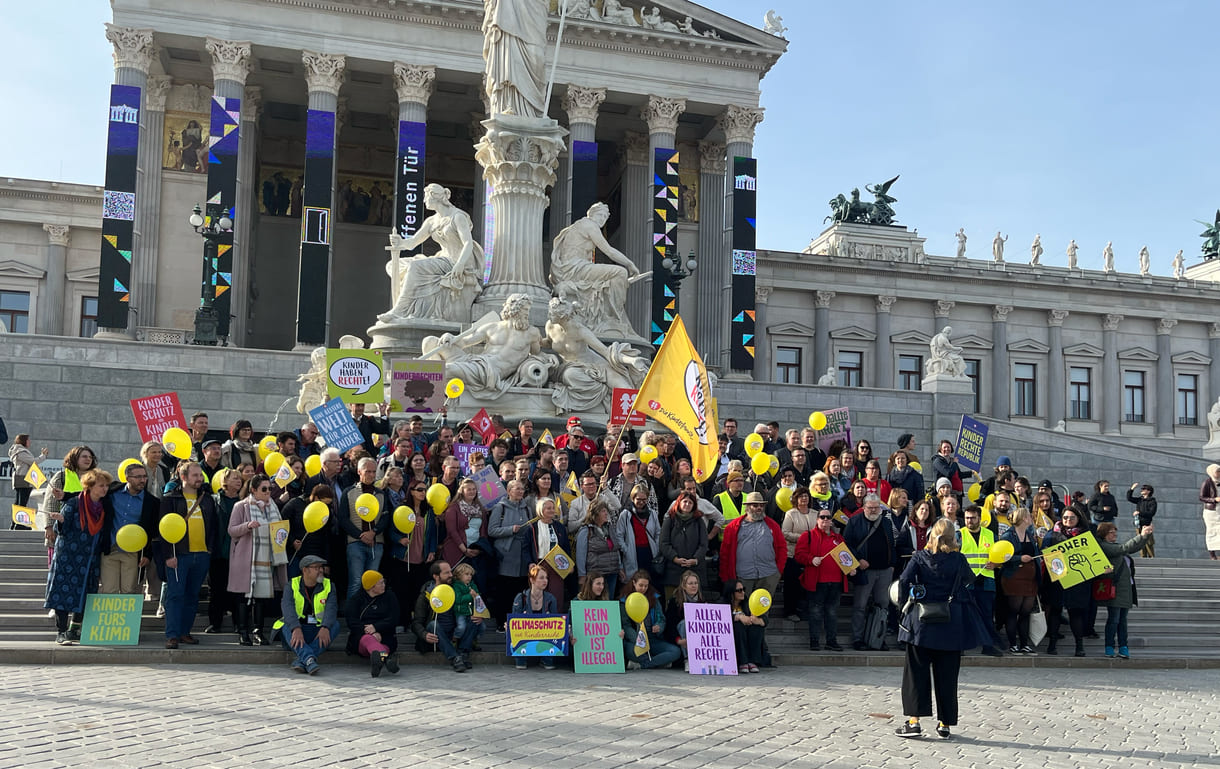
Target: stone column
(1165, 391)
(324, 77)
(144, 271)
(579, 192)
(247, 213)
(762, 347)
(821, 333)
(1213, 371)
(413, 84)
(519, 156)
(134, 51)
(713, 259)
(636, 219)
(1112, 390)
(1056, 380)
(738, 124)
(51, 302)
(883, 360)
(479, 213)
(1000, 395)
(661, 114)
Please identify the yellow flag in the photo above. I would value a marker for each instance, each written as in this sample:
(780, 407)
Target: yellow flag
(559, 561)
(285, 475)
(547, 438)
(35, 477)
(279, 535)
(642, 646)
(23, 516)
(676, 393)
(842, 557)
(480, 607)
(571, 489)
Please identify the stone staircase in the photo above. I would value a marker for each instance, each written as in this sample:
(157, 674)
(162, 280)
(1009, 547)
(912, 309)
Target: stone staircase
(1178, 620)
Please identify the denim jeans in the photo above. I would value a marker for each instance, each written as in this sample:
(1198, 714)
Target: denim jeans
(182, 586)
(444, 627)
(1116, 625)
(360, 558)
(661, 654)
(311, 647)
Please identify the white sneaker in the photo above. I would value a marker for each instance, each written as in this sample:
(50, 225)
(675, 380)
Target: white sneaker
(686, 665)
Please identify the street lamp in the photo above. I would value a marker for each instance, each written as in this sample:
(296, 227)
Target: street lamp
(679, 269)
(212, 229)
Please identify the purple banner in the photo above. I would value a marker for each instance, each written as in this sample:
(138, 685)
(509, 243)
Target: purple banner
(409, 180)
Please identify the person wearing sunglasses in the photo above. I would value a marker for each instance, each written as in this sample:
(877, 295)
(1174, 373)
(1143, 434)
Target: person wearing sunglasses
(256, 571)
(412, 554)
(823, 580)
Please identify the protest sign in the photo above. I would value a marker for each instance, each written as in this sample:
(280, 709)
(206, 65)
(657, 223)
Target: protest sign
(463, 451)
(355, 376)
(595, 629)
(488, 483)
(336, 425)
(621, 412)
(537, 635)
(416, 386)
(971, 440)
(1076, 560)
(155, 414)
(709, 639)
(838, 427)
(111, 620)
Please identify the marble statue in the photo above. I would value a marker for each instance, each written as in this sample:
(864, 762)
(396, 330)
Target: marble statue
(961, 242)
(614, 12)
(1145, 261)
(443, 286)
(1107, 256)
(830, 378)
(1060, 427)
(1071, 252)
(653, 20)
(1213, 425)
(1035, 250)
(773, 24)
(514, 54)
(583, 9)
(495, 353)
(1211, 237)
(688, 26)
(997, 247)
(598, 290)
(946, 358)
(854, 211)
(1179, 265)
(587, 370)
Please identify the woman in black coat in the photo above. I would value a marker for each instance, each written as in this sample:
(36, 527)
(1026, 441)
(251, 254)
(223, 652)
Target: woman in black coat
(1103, 507)
(372, 618)
(1075, 598)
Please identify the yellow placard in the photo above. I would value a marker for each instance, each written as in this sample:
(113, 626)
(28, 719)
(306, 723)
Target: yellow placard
(23, 516)
(642, 646)
(35, 476)
(285, 475)
(480, 607)
(559, 561)
(279, 536)
(1076, 560)
(843, 558)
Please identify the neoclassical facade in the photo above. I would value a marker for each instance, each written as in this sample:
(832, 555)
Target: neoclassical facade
(626, 84)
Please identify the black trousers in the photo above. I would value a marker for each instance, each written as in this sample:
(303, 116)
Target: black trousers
(220, 600)
(927, 671)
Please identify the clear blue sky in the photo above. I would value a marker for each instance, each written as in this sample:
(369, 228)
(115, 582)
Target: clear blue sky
(1086, 120)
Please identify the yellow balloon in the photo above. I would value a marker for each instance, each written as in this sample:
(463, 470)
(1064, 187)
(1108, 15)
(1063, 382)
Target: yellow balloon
(438, 497)
(273, 462)
(367, 507)
(761, 463)
(404, 519)
(783, 498)
(315, 516)
(441, 598)
(773, 465)
(817, 420)
(131, 538)
(917, 467)
(754, 444)
(218, 480)
(985, 518)
(455, 387)
(177, 442)
(313, 465)
(647, 454)
(265, 447)
(760, 602)
(172, 528)
(637, 607)
(126, 463)
(1000, 552)
(973, 492)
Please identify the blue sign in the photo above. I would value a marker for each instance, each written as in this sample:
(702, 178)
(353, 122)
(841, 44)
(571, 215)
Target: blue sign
(971, 439)
(336, 425)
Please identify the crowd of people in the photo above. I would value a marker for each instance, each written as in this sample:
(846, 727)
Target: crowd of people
(625, 507)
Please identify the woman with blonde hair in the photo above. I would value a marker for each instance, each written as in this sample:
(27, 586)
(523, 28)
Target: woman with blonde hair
(1209, 495)
(940, 621)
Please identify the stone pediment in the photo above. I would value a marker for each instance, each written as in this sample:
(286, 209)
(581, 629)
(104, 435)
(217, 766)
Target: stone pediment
(855, 333)
(791, 328)
(677, 18)
(83, 275)
(1084, 350)
(911, 337)
(1137, 353)
(973, 342)
(1028, 345)
(11, 268)
(1192, 357)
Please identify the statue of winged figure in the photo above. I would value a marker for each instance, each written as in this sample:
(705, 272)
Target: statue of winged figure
(1211, 237)
(853, 210)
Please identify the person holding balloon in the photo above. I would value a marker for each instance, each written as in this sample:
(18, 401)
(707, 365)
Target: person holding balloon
(189, 532)
(254, 569)
(642, 612)
(363, 516)
(76, 561)
(435, 625)
(129, 504)
(307, 518)
(466, 537)
(1019, 579)
(749, 627)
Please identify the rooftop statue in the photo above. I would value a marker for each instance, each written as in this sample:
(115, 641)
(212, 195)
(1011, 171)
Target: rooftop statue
(854, 211)
(1211, 237)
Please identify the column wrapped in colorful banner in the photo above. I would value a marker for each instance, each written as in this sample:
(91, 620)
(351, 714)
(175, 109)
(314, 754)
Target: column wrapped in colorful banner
(745, 259)
(222, 198)
(665, 187)
(119, 207)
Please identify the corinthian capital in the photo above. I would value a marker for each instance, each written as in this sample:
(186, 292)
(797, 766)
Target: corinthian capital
(156, 92)
(662, 114)
(230, 60)
(1110, 322)
(252, 104)
(739, 123)
(323, 71)
(711, 158)
(582, 103)
(132, 47)
(413, 82)
(57, 234)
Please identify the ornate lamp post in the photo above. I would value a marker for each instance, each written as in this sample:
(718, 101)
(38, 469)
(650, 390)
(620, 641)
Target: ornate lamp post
(680, 270)
(211, 230)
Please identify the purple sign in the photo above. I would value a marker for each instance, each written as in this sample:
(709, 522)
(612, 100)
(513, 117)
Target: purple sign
(409, 181)
(709, 639)
(463, 451)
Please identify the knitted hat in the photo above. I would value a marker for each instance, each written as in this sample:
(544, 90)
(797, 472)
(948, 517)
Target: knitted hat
(370, 578)
(904, 439)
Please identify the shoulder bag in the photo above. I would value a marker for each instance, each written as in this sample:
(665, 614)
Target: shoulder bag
(938, 612)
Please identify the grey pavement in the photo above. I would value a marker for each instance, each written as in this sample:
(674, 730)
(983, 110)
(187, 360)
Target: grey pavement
(246, 715)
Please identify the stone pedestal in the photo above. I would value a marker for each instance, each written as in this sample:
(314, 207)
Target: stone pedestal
(865, 242)
(518, 403)
(403, 338)
(946, 385)
(519, 156)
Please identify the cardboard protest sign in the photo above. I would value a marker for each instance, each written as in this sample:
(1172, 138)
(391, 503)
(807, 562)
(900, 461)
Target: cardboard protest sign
(111, 620)
(971, 440)
(463, 451)
(417, 386)
(1076, 560)
(355, 376)
(155, 414)
(838, 427)
(537, 635)
(595, 629)
(709, 639)
(336, 425)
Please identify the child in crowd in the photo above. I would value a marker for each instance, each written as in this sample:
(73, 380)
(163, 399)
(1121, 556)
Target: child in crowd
(464, 593)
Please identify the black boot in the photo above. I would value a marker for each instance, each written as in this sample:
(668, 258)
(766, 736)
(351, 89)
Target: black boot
(257, 611)
(1079, 648)
(242, 615)
(1052, 647)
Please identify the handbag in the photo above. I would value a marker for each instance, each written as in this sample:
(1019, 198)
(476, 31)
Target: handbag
(1037, 627)
(938, 612)
(1104, 589)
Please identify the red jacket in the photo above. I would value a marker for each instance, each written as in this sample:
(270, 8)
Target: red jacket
(814, 544)
(728, 547)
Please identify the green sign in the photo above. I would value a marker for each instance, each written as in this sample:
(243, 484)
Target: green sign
(112, 620)
(355, 376)
(595, 629)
